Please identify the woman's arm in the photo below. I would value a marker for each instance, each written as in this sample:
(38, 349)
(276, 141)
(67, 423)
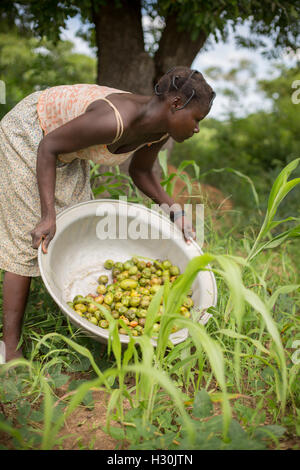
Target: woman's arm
(88, 129)
(141, 172)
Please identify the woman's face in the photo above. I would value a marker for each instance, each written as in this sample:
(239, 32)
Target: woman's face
(184, 123)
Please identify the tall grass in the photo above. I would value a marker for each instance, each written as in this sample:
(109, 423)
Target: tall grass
(242, 351)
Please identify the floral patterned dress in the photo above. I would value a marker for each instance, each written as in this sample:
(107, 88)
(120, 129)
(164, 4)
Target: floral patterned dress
(21, 131)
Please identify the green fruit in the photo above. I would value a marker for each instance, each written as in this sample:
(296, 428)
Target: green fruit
(115, 314)
(118, 305)
(134, 333)
(145, 301)
(103, 279)
(119, 266)
(126, 300)
(130, 315)
(122, 331)
(70, 304)
(128, 264)
(158, 264)
(141, 265)
(139, 328)
(141, 313)
(77, 299)
(174, 271)
(128, 284)
(146, 273)
(118, 296)
(156, 327)
(135, 260)
(103, 324)
(135, 301)
(154, 289)
(97, 314)
(187, 314)
(108, 264)
(115, 272)
(155, 281)
(93, 320)
(188, 302)
(122, 276)
(133, 270)
(122, 310)
(92, 309)
(81, 308)
(182, 310)
(99, 299)
(166, 264)
(108, 298)
(101, 289)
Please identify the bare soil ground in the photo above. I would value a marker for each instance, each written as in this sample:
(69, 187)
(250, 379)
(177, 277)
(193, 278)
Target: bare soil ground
(84, 428)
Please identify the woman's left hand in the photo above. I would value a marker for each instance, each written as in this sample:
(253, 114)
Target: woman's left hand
(187, 228)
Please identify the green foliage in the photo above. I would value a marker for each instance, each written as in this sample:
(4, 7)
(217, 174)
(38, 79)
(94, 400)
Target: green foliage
(28, 65)
(258, 145)
(278, 20)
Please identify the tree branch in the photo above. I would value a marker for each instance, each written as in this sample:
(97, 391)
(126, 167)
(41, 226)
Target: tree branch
(175, 48)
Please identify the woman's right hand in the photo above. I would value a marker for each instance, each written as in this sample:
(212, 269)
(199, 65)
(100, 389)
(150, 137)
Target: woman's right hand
(44, 230)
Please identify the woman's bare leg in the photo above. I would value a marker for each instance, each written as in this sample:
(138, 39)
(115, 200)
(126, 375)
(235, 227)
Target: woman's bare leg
(15, 295)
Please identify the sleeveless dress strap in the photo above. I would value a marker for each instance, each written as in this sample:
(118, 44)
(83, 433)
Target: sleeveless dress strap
(120, 125)
(155, 141)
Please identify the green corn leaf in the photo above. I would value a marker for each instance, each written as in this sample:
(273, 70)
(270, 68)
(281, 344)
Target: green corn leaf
(186, 163)
(216, 360)
(280, 189)
(48, 437)
(281, 290)
(275, 223)
(177, 396)
(241, 175)
(277, 241)
(114, 400)
(260, 307)
(152, 311)
(77, 347)
(234, 334)
(163, 159)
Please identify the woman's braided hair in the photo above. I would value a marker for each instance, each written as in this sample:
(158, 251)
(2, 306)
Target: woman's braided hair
(190, 83)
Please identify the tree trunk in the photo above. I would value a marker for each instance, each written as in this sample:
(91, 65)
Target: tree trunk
(175, 48)
(122, 60)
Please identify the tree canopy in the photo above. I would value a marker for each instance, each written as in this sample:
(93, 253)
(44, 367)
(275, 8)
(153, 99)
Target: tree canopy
(178, 30)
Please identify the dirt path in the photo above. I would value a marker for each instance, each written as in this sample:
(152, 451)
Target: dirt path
(84, 427)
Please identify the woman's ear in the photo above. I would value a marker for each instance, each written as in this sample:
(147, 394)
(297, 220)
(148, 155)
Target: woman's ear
(176, 102)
